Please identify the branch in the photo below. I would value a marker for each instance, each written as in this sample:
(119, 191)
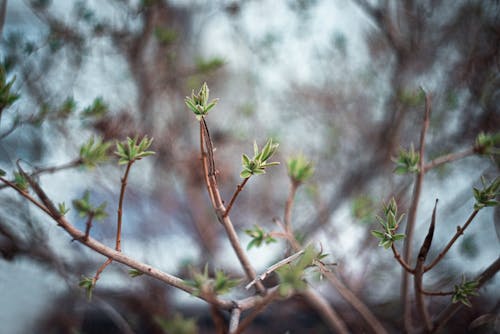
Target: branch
(218, 205)
(288, 211)
(460, 231)
(449, 311)
(412, 215)
(402, 262)
(239, 188)
(419, 272)
(448, 158)
(272, 294)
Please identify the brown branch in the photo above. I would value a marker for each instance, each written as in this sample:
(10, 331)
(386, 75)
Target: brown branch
(120, 206)
(288, 210)
(272, 294)
(419, 272)
(460, 231)
(451, 309)
(402, 262)
(448, 158)
(412, 216)
(239, 188)
(219, 208)
(88, 225)
(26, 195)
(437, 293)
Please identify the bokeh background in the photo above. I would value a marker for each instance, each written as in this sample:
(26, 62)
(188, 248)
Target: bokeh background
(338, 81)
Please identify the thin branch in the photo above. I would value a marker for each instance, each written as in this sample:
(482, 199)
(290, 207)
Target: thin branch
(460, 231)
(272, 294)
(288, 208)
(412, 216)
(402, 262)
(419, 272)
(274, 267)
(451, 309)
(448, 158)
(239, 188)
(437, 293)
(120, 206)
(26, 195)
(218, 205)
(88, 225)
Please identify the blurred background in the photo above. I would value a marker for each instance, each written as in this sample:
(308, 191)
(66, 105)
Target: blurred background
(338, 81)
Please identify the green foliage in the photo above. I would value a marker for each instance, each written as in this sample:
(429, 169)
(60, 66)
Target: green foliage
(94, 152)
(198, 103)
(209, 65)
(390, 224)
(407, 161)
(462, 291)
(7, 97)
(258, 236)
(97, 109)
(299, 168)
(291, 276)
(21, 182)
(258, 163)
(130, 150)
(2, 172)
(165, 36)
(88, 284)
(63, 210)
(66, 108)
(204, 284)
(486, 197)
(135, 273)
(411, 98)
(487, 143)
(362, 208)
(85, 209)
(177, 325)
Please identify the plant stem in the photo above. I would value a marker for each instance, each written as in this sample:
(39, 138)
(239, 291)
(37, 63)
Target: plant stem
(331, 317)
(120, 206)
(419, 273)
(398, 257)
(219, 208)
(412, 215)
(460, 231)
(288, 208)
(239, 188)
(448, 158)
(88, 225)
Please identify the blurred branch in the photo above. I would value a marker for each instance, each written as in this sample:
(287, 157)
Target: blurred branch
(448, 158)
(419, 272)
(460, 231)
(3, 11)
(412, 216)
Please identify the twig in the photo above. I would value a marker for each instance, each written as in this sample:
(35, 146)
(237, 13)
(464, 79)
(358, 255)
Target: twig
(412, 215)
(120, 207)
(448, 158)
(274, 267)
(437, 293)
(272, 294)
(235, 320)
(451, 309)
(402, 262)
(219, 208)
(26, 195)
(239, 188)
(88, 225)
(288, 210)
(419, 272)
(460, 231)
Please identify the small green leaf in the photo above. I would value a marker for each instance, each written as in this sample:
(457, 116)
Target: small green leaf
(135, 273)
(88, 284)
